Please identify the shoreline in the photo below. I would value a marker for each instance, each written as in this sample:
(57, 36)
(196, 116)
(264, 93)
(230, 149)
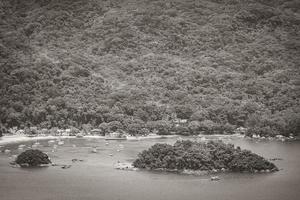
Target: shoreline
(12, 139)
(18, 139)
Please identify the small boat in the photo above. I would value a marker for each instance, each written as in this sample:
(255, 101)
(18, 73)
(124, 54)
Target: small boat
(94, 150)
(215, 178)
(133, 138)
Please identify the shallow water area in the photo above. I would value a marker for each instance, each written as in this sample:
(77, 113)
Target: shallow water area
(92, 175)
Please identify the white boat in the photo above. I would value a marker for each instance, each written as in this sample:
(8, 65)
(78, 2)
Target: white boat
(215, 178)
(94, 150)
(134, 138)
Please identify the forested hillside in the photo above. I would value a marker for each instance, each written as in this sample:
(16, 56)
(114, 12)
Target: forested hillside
(139, 64)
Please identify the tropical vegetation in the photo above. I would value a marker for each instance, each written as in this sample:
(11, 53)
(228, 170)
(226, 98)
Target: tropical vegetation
(210, 156)
(32, 158)
(142, 65)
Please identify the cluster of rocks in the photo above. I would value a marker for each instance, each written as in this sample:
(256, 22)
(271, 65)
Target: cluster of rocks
(125, 166)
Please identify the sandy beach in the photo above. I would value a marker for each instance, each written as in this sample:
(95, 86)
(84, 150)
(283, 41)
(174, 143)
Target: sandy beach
(10, 139)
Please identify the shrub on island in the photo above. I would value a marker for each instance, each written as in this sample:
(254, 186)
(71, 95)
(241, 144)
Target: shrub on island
(210, 156)
(32, 158)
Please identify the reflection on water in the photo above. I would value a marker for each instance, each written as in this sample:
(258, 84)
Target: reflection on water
(95, 178)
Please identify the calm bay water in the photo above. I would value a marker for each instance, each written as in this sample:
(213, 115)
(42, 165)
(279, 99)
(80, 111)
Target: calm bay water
(95, 178)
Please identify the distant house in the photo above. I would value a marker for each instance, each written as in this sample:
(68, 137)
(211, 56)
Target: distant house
(240, 130)
(33, 130)
(178, 122)
(45, 131)
(115, 136)
(97, 132)
(68, 130)
(13, 130)
(20, 132)
(60, 132)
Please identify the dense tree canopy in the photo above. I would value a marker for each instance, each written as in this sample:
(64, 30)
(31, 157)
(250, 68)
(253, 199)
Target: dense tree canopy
(135, 64)
(186, 154)
(32, 158)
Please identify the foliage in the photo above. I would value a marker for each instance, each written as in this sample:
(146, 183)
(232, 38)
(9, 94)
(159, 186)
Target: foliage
(88, 63)
(191, 155)
(32, 158)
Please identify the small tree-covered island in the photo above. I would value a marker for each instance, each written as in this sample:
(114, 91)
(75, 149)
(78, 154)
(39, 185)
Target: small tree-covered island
(211, 156)
(32, 158)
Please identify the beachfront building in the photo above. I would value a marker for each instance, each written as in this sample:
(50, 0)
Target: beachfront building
(97, 132)
(115, 136)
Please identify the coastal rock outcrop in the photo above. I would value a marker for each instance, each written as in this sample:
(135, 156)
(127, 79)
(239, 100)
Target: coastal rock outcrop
(32, 158)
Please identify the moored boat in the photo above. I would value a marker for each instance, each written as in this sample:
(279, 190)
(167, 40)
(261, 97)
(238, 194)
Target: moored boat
(135, 138)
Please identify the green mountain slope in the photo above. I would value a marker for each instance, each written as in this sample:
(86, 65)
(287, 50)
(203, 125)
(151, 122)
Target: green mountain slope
(139, 63)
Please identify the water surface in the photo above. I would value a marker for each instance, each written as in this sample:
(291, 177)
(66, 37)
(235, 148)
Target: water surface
(95, 177)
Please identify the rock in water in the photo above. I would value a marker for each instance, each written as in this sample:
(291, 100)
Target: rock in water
(66, 166)
(32, 158)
